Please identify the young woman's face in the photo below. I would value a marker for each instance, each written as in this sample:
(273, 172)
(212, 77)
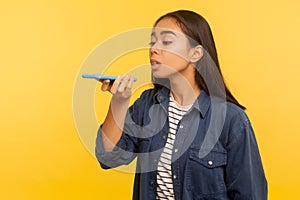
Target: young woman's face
(170, 49)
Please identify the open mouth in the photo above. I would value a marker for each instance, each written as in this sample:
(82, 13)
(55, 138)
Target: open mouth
(154, 63)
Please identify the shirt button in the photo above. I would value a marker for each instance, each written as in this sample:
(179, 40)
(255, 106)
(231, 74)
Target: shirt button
(174, 176)
(175, 150)
(164, 137)
(161, 98)
(181, 126)
(151, 182)
(210, 163)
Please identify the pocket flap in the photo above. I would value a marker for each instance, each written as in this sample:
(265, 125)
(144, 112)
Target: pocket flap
(211, 160)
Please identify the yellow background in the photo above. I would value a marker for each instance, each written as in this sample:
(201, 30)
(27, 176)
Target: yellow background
(44, 43)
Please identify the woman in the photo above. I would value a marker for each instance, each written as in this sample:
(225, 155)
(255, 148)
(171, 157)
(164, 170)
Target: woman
(191, 137)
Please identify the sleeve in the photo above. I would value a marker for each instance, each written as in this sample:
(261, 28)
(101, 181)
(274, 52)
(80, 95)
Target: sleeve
(245, 177)
(122, 154)
(126, 148)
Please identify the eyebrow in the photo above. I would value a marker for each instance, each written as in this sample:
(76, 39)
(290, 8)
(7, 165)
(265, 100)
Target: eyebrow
(163, 33)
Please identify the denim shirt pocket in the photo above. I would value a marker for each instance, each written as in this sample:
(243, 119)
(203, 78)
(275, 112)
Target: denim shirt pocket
(205, 176)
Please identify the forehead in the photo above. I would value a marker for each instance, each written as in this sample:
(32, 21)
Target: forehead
(167, 24)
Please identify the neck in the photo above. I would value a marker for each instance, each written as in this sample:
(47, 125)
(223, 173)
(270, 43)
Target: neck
(184, 88)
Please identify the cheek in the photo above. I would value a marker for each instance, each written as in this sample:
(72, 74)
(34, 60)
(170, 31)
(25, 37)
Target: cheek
(178, 52)
(174, 59)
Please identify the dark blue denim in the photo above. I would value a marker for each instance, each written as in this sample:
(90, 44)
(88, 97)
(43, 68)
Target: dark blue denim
(230, 169)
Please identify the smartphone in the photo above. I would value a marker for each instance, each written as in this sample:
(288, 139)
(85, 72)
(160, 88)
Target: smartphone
(102, 77)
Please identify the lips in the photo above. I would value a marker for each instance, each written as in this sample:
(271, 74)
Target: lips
(154, 63)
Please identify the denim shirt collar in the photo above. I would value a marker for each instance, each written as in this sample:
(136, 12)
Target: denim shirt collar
(202, 103)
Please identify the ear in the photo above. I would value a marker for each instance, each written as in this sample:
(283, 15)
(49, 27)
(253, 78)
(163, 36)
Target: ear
(196, 53)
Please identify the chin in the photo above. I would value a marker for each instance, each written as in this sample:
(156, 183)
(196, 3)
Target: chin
(157, 74)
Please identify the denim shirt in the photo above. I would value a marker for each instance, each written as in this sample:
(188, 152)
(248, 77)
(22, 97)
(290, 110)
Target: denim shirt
(207, 162)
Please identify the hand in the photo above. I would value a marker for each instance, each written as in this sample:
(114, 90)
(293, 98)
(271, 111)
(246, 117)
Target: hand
(120, 88)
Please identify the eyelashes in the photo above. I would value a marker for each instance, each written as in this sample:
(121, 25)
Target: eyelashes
(151, 44)
(166, 42)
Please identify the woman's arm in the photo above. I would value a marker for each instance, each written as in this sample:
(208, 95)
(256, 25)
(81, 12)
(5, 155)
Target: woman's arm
(113, 125)
(245, 177)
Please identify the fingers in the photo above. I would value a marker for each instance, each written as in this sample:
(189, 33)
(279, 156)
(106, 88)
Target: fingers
(124, 83)
(114, 88)
(105, 85)
(119, 85)
(130, 82)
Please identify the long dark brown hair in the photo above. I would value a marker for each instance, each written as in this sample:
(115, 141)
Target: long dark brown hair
(198, 30)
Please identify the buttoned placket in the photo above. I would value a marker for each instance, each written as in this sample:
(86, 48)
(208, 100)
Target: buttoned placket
(177, 150)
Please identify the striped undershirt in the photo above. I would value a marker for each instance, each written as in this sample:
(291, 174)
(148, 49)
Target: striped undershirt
(164, 173)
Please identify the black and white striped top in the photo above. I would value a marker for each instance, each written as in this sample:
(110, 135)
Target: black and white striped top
(164, 173)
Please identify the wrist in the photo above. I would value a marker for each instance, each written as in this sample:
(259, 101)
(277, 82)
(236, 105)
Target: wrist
(119, 101)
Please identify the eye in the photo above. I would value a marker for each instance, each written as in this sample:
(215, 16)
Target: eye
(151, 44)
(167, 42)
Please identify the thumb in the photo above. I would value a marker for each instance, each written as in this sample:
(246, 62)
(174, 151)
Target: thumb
(105, 85)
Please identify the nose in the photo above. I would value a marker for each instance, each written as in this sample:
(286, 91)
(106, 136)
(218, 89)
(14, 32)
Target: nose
(154, 50)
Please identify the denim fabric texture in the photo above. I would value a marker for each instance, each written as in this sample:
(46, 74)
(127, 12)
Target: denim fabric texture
(232, 169)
